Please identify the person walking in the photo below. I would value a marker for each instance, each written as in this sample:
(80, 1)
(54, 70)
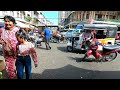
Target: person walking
(46, 33)
(9, 41)
(25, 52)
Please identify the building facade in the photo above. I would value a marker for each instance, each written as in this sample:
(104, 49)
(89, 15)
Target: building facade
(74, 17)
(61, 17)
(21, 15)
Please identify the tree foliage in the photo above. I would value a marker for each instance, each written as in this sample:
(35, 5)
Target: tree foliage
(28, 18)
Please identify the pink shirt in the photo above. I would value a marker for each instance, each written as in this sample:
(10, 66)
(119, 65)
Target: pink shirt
(10, 36)
(27, 49)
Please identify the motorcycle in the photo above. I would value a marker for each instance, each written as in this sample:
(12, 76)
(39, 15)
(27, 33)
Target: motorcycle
(38, 41)
(108, 53)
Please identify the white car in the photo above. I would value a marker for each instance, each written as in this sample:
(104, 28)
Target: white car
(63, 34)
(69, 33)
(73, 33)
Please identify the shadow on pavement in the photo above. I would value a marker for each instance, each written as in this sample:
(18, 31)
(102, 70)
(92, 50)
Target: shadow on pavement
(63, 49)
(42, 48)
(72, 72)
(77, 59)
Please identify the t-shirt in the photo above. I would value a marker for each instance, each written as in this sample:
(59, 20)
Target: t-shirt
(27, 49)
(47, 32)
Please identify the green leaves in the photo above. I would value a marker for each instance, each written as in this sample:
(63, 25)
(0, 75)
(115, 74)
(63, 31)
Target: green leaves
(28, 18)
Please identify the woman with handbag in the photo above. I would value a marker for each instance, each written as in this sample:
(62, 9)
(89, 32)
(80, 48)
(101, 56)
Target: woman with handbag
(9, 41)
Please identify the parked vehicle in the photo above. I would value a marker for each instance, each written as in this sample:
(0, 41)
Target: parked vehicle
(38, 42)
(108, 53)
(107, 39)
(69, 33)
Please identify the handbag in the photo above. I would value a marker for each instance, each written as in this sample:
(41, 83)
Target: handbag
(8, 50)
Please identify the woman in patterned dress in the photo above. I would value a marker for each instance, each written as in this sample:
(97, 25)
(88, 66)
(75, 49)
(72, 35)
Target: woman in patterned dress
(8, 35)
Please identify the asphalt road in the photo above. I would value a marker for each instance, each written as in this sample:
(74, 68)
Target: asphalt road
(57, 63)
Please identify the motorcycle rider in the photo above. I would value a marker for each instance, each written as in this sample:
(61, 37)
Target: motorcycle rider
(87, 36)
(93, 49)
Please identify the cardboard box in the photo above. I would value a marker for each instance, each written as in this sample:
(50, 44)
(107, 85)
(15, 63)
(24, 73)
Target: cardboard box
(2, 65)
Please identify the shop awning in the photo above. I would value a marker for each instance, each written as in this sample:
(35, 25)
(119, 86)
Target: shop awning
(1, 23)
(22, 25)
(31, 26)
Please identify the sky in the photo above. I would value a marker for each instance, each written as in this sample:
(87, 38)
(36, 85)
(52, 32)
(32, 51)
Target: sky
(52, 16)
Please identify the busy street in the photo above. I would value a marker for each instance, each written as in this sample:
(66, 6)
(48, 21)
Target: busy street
(59, 44)
(57, 63)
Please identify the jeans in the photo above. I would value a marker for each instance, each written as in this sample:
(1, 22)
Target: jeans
(21, 62)
(47, 40)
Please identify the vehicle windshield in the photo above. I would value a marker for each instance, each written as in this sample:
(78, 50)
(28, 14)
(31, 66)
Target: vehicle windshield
(104, 33)
(69, 31)
(110, 33)
(76, 31)
(79, 27)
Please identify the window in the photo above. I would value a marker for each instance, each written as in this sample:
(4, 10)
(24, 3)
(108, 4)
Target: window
(76, 31)
(97, 12)
(79, 27)
(69, 31)
(111, 33)
(87, 16)
(18, 14)
(21, 15)
(114, 17)
(28, 14)
(4, 12)
(11, 13)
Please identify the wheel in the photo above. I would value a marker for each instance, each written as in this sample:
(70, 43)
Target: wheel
(111, 56)
(69, 48)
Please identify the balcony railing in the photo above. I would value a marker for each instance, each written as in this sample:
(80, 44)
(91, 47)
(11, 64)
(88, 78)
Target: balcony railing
(112, 20)
(100, 19)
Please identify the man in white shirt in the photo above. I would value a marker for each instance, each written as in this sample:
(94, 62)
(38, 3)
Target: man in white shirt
(87, 37)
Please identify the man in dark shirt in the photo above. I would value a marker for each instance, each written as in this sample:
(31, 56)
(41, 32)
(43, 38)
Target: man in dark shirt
(46, 32)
